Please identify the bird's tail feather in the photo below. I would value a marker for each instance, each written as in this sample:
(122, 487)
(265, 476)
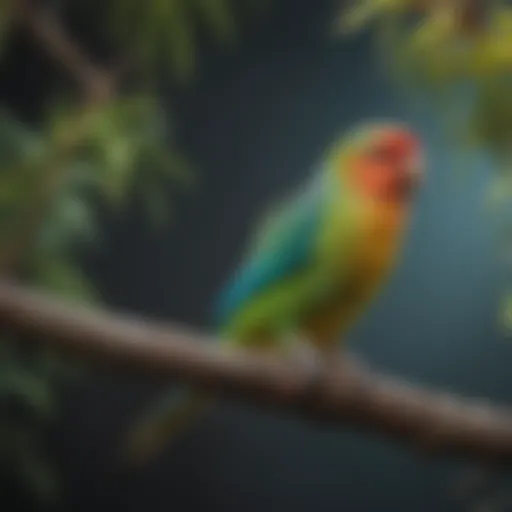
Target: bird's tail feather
(149, 436)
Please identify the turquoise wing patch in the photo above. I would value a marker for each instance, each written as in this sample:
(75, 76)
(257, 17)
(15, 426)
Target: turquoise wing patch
(283, 249)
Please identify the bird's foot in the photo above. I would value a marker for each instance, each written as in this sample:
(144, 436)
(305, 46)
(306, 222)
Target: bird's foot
(345, 363)
(322, 364)
(306, 355)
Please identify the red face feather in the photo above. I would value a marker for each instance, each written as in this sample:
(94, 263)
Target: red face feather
(389, 166)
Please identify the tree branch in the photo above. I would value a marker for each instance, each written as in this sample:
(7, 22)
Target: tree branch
(347, 395)
(47, 31)
(471, 15)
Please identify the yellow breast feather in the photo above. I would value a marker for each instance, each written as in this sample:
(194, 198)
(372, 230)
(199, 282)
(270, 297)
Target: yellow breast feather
(378, 240)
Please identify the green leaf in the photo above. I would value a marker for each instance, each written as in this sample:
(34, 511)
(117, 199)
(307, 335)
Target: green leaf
(118, 157)
(15, 139)
(126, 145)
(165, 166)
(33, 391)
(23, 154)
(491, 120)
(218, 15)
(363, 12)
(506, 314)
(181, 39)
(164, 33)
(500, 191)
(71, 221)
(64, 279)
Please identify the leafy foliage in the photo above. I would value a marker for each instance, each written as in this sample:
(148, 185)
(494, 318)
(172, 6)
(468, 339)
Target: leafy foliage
(492, 116)
(437, 51)
(364, 12)
(27, 403)
(164, 34)
(459, 55)
(54, 176)
(124, 147)
(23, 385)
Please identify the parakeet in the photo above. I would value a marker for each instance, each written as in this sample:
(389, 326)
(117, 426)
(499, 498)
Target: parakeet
(314, 262)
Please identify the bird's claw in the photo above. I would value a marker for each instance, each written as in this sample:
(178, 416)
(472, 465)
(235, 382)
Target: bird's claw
(307, 357)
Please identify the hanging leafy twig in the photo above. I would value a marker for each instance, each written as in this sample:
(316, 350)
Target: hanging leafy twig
(98, 88)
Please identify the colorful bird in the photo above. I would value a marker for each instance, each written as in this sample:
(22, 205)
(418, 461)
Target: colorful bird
(313, 264)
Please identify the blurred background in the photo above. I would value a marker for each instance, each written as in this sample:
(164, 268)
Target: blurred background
(218, 111)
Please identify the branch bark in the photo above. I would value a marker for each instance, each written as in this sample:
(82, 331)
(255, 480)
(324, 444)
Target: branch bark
(348, 394)
(471, 15)
(56, 42)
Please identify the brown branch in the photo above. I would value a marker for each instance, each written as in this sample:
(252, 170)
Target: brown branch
(55, 41)
(348, 395)
(471, 15)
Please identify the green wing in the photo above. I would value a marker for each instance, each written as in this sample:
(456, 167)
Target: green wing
(289, 269)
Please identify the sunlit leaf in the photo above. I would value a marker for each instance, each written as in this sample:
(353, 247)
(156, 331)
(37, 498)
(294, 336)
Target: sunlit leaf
(363, 12)
(506, 314)
(500, 191)
(492, 116)
(127, 140)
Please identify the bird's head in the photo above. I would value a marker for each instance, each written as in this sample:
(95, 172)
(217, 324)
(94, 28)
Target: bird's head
(383, 162)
